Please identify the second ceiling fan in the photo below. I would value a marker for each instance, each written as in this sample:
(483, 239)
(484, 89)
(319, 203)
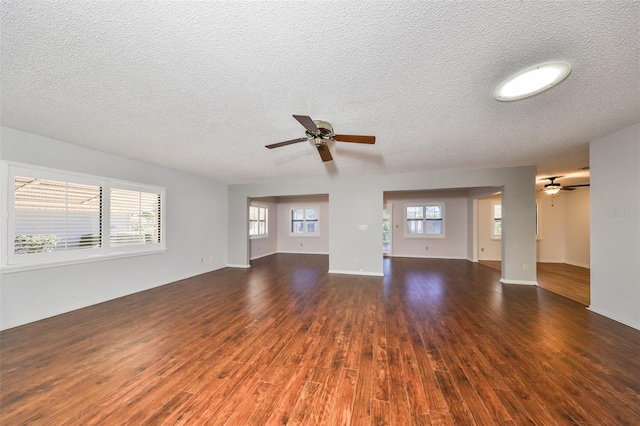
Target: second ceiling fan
(320, 132)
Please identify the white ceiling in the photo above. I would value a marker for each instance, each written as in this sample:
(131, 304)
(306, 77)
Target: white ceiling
(203, 86)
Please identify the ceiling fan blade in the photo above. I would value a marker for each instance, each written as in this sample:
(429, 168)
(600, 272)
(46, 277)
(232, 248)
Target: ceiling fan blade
(325, 154)
(577, 186)
(292, 141)
(355, 138)
(307, 122)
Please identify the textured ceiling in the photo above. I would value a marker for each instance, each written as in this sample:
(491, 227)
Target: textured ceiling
(203, 86)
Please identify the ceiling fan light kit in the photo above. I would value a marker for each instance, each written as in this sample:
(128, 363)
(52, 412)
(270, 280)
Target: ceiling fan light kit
(532, 81)
(550, 189)
(320, 132)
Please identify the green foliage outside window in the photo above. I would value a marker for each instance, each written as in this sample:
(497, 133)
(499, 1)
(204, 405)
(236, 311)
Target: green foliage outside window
(35, 243)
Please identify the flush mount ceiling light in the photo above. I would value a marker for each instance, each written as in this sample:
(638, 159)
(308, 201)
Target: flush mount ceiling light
(532, 81)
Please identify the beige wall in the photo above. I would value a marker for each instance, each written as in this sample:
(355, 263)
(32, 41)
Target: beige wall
(488, 248)
(564, 228)
(577, 233)
(551, 240)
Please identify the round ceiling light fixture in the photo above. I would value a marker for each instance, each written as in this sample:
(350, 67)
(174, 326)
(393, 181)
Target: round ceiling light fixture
(532, 81)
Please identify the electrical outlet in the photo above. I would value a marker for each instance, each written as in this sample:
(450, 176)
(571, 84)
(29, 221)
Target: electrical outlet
(426, 248)
(525, 267)
(201, 259)
(482, 249)
(210, 258)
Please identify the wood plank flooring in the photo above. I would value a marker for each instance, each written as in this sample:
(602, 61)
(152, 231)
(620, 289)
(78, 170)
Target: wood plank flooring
(433, 342)
(573, 282)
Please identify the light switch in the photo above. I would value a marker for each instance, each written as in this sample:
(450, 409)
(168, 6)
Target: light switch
(363, 227)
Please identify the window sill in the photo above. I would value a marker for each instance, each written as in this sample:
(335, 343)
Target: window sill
(425, 237)
(9, 269)
(258, 237)
(304, 234)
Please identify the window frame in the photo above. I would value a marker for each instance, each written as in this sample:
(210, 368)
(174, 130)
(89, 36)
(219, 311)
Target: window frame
(304, 221)
(12, 262)
(424, 220)
(259, 235)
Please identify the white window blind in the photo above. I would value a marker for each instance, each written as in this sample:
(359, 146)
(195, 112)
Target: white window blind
(135, 218)
(55, 215)
(258, 217)
(58, 217)
(496, 231)
(304, 221)
(426, 220)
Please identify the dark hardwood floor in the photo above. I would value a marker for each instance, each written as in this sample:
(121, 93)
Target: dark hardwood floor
(433, 342)
(573, 282)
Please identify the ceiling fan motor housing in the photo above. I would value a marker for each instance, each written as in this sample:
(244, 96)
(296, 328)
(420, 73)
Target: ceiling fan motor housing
(325, 132)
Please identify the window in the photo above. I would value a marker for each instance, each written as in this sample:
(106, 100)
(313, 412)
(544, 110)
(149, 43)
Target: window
(57, 216)
(258, 221)
(496, 222)
(424, 220)
(304, 221)
(135, 218)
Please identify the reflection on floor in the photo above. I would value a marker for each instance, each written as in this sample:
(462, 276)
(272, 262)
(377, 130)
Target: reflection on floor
(572, 282)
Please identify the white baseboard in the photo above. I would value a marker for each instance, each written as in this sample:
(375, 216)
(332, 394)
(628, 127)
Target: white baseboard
(519, 282)
(364, 273)
(489, 260)
(614, 317)
(430, 257)
(301, 252)
(233, 265)
(263, 255)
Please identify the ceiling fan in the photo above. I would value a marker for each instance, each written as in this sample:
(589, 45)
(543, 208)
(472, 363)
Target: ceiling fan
(553, 188)
(320, 132)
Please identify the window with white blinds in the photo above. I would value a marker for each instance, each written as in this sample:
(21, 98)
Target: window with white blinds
(56, 216)
(135, 217)
(424, 220)
(258, 221)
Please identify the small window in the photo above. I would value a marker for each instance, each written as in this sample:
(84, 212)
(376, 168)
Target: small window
(425, 220)
(258, 221)
(496, 222)
(304, 221)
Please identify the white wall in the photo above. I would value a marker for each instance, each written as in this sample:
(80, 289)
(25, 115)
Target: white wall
(289, 243)
(356, 201)
(615, 225)
(195, 226)
(453, 246)
(264, 246)
(577, 228)
(488, 248)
